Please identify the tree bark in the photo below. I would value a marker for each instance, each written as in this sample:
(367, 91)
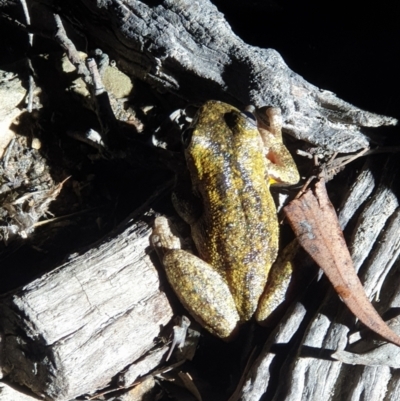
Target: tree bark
(71, 331)
(187, 47)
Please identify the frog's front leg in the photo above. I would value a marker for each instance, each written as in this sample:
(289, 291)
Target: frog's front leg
(281, 166)
(281, 169)
(202, 291)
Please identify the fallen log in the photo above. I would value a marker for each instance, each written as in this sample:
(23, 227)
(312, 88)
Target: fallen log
(72, 330)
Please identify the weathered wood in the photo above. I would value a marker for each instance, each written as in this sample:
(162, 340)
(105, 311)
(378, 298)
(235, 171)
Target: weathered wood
(72, 330)
(188, 48)
(309, 372)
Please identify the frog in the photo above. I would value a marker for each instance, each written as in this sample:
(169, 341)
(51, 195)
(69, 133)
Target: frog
(232, 159)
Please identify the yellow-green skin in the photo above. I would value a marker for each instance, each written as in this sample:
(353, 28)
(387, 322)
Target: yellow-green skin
(236, 233)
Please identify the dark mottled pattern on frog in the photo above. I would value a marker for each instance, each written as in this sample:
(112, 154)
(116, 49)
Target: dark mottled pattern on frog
(238, 232)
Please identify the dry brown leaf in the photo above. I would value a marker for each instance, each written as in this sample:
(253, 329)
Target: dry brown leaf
(314, 221)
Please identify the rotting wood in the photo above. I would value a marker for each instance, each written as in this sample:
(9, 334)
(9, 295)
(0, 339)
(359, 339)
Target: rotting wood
(96, 314)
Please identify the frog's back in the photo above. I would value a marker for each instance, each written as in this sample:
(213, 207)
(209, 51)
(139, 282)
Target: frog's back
(238, 232)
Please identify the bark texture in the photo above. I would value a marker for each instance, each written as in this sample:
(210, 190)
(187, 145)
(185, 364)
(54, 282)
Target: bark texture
(188, 48)
(308, 336)
(71, 331)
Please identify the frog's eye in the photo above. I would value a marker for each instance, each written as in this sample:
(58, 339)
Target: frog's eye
(187, 136)
(232, 119)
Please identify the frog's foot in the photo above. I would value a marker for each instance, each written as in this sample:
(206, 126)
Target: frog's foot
(281, 167)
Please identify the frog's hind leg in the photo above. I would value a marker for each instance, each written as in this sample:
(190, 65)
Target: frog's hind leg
(200, 288)
(203, 292)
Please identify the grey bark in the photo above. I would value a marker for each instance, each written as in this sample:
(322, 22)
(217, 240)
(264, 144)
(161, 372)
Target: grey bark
(71, 331)
(310, 371)
(188, 48)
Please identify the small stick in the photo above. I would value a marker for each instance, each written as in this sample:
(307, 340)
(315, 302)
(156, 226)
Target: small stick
(72, 54)
(7, 154)
(31, 82)
(104, 110)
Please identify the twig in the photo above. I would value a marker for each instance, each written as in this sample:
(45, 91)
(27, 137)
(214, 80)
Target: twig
(48, 34)
(72, 54)
(94, 73)
(90, 137)
(31, 86)
(104, 110)
(31, 82)
(333, 165)
(54, 219)
(6, 156)
(91, 76)
(140, 380)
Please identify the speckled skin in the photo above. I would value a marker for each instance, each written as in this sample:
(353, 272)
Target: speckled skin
(236, 233)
